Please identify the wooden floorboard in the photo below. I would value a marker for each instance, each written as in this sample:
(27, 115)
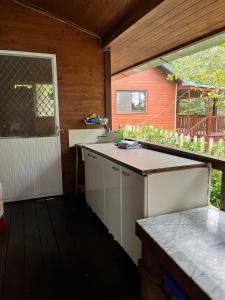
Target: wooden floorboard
(14, 279)
(3, 250)
(51, 254)
(34, 265)
(59, 249)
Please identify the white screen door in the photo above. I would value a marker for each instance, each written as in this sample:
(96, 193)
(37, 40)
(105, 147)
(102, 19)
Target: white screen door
(30, 154)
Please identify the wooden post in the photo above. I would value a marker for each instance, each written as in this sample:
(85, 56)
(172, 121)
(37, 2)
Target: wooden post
(215, 107)
(209, 104)
(222, 198)
(209, 124)
(194, 122)
(189, 101)
(107, 73)
(178, 106)
(178, 113)
(215, 113)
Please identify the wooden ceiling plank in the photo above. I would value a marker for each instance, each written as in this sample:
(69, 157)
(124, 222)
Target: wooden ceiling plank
(172, 50)
(153, 42)
(153, 19)
(201, 36)
(174, 34)
(54, 16)
(174, 20)
(99, 17)
(129, 20)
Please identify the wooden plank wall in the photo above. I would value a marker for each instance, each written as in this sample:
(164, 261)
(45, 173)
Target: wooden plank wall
(80, 65)
(160, 99)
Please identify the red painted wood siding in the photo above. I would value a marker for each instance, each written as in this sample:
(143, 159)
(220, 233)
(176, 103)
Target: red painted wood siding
(160, 99)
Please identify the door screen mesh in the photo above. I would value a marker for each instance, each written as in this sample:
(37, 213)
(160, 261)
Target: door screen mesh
(27, 104)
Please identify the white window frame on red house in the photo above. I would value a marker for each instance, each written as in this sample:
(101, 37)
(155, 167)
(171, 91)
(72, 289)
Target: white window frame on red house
(129, 110)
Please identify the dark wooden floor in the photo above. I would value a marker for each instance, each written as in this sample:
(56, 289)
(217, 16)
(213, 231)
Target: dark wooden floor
(58, 249)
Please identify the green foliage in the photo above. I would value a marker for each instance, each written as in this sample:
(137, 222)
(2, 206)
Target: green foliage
(197, 105)
(204, 67)
(171, 138)
(216, 177)
(207, 68)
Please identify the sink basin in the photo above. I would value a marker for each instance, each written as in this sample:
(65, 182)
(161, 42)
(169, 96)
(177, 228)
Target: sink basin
(109, 137)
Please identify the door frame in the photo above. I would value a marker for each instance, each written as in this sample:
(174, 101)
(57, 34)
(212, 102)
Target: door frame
(52, 57)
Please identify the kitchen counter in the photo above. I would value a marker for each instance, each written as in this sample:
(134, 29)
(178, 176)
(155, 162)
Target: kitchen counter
(195, 240)
(143, 161)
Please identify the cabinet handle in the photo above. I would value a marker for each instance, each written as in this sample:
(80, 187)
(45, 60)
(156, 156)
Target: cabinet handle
(125, 173)
(89, 154)
(115, 168)
(94, 156)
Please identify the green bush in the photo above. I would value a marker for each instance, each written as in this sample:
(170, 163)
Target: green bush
(216, 179)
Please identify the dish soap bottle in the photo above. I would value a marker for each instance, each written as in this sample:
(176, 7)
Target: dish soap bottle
(119, 134)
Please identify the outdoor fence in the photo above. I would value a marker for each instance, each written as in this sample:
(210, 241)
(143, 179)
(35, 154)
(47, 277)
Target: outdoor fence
(201, 125)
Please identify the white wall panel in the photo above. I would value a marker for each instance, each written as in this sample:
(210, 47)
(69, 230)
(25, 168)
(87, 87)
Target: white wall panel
(30, 167)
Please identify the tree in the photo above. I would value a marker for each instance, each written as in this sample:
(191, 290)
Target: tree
(206, 67)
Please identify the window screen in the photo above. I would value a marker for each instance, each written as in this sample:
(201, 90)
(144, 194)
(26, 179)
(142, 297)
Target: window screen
(27, 104)
(131, 101)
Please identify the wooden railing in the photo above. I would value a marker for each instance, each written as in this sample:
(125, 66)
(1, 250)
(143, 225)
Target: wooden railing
(218, 124)
(199, 129)
(200, 125)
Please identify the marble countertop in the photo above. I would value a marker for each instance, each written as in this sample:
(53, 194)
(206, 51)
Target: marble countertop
(143, 161)
(195, 240)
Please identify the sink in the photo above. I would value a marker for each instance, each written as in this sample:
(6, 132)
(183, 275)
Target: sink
(108, 137)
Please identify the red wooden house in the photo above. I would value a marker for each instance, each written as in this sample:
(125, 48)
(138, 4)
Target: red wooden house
(144, 97)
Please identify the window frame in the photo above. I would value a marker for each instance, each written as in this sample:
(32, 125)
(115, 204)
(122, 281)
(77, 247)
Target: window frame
(132, 112)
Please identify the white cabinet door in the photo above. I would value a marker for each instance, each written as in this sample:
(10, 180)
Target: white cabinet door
(113, 199)
(133, 199)
(98, 202)
(89, 178)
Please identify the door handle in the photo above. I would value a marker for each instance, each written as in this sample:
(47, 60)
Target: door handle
(115, 168)
(125, 173)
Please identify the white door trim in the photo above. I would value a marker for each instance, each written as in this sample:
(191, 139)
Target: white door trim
(52, 57)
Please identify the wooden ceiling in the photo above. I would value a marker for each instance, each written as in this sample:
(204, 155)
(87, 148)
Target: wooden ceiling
(171, 25)
(139, 30)
(101, 18)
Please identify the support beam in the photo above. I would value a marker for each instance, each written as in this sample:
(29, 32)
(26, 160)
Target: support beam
(209, 105)
(215, 107)
(132, 17)
(189, 101)
(107, 74)
(209, 125)
(178, 113)
(222, 199)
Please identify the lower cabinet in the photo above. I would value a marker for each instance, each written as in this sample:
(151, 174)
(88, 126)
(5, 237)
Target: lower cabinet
(94, 182)
(113, 216)
(98, 202)
(120, 196)
(89, 184)
(133, 208)
(117, 196)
